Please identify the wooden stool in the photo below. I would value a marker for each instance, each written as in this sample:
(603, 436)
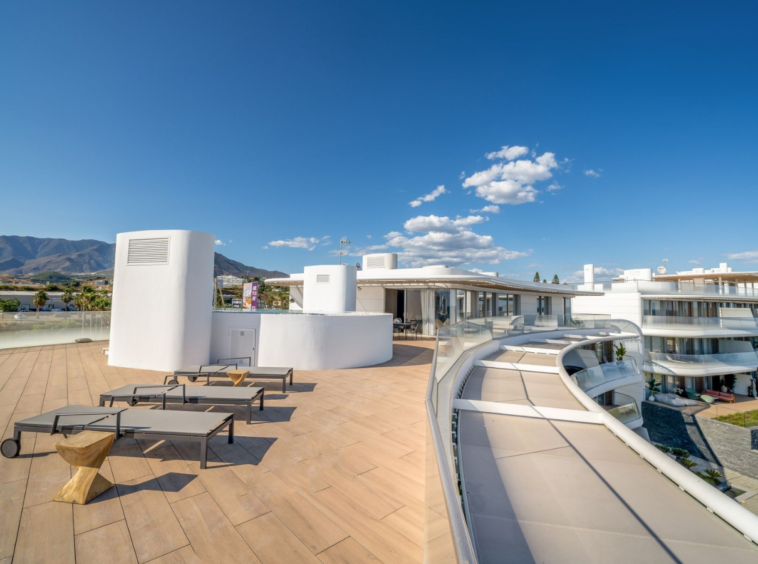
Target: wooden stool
(238, 376)
(86, 452)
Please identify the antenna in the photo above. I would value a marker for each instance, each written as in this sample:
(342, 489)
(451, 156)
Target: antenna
(344, 243)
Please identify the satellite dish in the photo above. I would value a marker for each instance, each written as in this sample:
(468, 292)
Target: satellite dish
(661, 270)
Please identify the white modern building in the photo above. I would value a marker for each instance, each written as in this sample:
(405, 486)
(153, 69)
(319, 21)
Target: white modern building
(433, 296)
(700, 328)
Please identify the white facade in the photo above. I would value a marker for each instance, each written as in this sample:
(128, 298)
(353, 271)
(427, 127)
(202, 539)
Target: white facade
(699, 327)
(432, 296)
(162, 296)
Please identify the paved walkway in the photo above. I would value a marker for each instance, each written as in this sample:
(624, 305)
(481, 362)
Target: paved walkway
(557, 491)
(331, 471)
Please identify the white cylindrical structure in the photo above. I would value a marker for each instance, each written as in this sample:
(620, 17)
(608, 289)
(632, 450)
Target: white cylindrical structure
(330, 288)
(162, 299)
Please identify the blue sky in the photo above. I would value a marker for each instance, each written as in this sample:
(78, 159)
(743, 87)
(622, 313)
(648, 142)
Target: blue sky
(282, 126)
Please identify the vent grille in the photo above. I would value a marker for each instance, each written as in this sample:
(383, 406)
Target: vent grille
(322, 278)
(375, 262)
(148, 251)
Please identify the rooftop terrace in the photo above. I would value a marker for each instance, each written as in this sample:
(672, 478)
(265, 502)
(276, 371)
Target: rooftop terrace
(331, 471)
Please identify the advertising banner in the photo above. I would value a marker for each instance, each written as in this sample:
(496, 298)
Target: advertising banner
(250, 296)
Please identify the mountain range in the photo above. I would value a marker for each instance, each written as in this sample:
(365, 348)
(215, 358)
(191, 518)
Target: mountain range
(22, 256)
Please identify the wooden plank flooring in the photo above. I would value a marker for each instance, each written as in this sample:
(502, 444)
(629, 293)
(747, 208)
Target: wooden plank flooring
(331, 471)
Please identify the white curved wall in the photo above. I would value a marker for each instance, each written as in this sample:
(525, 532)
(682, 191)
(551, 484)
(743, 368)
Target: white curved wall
(161, 318)
(309, 341)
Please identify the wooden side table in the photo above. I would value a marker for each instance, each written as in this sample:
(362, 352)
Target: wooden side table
(86, 452)
(238, 376)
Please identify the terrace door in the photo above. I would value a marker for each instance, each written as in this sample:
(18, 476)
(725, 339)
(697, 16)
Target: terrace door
(242, 344)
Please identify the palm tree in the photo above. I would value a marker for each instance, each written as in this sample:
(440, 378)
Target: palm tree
(40, 299)
(67, 297)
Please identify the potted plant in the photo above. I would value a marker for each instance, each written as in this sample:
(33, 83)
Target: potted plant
(620, 350)
(655, 388)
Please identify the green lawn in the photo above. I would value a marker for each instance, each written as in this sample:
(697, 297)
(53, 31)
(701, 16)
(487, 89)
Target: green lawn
(746, 419)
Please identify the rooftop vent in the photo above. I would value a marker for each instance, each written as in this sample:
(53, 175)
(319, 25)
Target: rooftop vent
(380, 260)
(148, 251)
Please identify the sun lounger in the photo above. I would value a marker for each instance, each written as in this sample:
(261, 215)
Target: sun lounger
(224, 365)
(149, 424)
(181, 393)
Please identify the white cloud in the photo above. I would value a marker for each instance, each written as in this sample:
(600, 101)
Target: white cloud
(368, 236)
(430, 197)
(430, 223)
(512, 182)
(553, 187)
(487, 209)
(696, 262)
(601, 275)
(593, 173)
(442, 240)
(508, 153)
(309, 243)
(751, 257)
(219, 242)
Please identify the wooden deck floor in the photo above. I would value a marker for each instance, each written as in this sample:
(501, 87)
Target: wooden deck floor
(330, 472)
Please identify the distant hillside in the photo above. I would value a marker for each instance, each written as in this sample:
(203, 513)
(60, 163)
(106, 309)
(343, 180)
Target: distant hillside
(24, 256)
(224, 265)
(31, 255)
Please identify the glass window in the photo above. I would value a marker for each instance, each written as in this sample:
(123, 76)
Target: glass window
(442, 308)
(460, 305)
(504, 305)
(543, 305)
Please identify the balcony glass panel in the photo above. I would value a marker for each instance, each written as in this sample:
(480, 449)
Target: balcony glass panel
(599, 375)
(32, 329)
(699, 323)
(624, 408)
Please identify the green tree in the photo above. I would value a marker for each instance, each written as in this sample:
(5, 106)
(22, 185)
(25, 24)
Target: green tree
(67, 297)
(11, 304)
(40, 299)
(536, 277)
(555, 279)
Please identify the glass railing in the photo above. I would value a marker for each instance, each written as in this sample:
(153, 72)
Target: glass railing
(699, 323)
(31, 329)
(624, 408)
(455, 343)
(602, 374)
(684, 288)
(748, 358)
(515, 324)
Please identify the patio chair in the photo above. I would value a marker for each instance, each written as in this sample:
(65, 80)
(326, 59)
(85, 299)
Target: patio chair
(181, 393)
(691, 394)
(148, 424)
(223, 367)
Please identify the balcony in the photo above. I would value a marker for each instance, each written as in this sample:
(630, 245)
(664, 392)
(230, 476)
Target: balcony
(624, 408)
(708, 291)
(675, 326)
(599, 379)
(701, 364)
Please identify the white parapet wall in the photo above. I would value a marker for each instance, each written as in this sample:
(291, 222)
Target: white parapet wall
(162, 298)
(303, 341)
